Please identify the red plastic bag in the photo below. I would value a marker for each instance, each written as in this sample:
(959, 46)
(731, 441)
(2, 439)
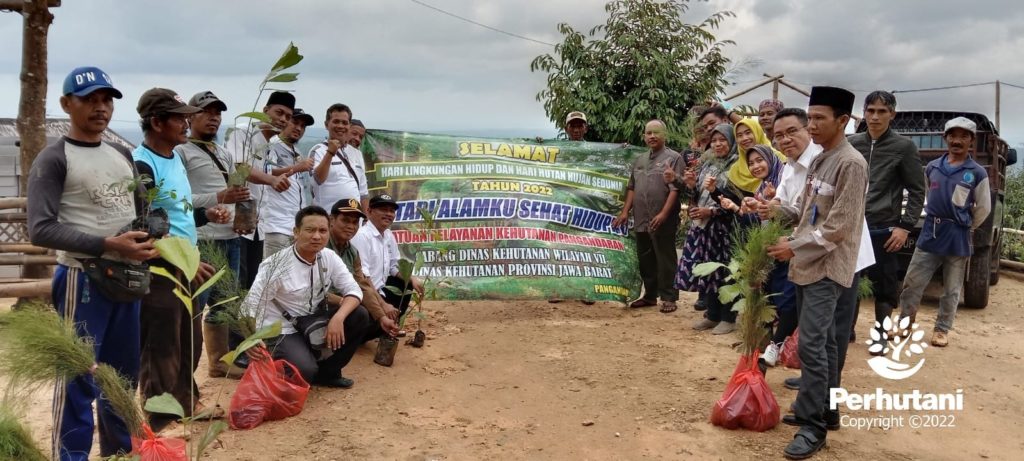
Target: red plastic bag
(747, 402)
(790, 354)
(153, 448)
(267, 392)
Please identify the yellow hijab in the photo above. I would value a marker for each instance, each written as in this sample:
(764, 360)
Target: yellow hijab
(739, 173)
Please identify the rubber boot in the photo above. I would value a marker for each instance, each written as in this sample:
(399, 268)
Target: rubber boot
(216, 341)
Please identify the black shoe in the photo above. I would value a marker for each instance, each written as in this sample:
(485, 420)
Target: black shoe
(339, 382)
(792, 383)
(831, 420)
(700, 306)
(586, 302)
(853, 337)
(803, 446)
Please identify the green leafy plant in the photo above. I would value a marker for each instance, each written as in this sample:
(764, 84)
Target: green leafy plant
(749, 269)
(407, 269)
(644, 62)
(277, 74)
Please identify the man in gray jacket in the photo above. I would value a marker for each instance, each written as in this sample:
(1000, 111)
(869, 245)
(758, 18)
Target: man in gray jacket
(894, 166)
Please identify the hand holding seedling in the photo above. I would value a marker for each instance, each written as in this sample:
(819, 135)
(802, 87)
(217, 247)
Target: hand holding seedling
(728, 204)
(233, 194)
(389, 326)
(391, 312)
(134, 245)
(258, 352)
(781, 250)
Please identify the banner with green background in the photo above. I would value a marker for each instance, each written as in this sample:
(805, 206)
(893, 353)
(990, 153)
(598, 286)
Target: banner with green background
(512, 219)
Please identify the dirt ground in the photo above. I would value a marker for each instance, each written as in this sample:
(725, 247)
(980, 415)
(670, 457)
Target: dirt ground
(518, 380)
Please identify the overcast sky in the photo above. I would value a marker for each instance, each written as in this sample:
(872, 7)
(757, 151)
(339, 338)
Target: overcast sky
(403, 66)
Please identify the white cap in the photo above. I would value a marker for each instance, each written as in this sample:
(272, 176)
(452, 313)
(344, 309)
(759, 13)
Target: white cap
(575, 115)
(961, 122)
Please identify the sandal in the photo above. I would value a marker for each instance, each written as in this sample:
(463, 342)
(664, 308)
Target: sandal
(203, 413)
(668, 307)
(642, 302)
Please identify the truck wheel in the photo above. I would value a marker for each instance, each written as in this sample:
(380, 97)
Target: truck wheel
(976, 286)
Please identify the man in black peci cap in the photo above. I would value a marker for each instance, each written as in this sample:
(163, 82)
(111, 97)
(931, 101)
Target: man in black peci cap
(378, 250)
(823, 254)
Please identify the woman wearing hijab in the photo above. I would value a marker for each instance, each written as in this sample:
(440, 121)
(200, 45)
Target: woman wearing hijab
(765, 166)
(748, 134)
(710, 236)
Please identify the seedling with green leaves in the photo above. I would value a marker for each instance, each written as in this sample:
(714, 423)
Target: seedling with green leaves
(749, 269)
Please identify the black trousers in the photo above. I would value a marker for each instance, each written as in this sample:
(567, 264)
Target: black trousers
(401, 302)
(819, 354)
(884, 276)
(295, 349)
(656, 252)
(251, 257)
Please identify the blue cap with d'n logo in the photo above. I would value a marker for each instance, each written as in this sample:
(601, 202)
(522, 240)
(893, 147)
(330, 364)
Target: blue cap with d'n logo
(84, 80)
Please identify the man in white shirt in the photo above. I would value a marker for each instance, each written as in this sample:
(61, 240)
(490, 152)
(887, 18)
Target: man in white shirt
(250, 145)
(292, 284)
(339, 172)
(379, 253)
(277, 212)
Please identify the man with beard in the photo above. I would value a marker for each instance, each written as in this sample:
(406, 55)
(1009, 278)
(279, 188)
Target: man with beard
(958, 202)
(655, 207)
(277, 212)
(345, 217)
(823, 250)
(171, 338)
(252, 144)
(208, 166)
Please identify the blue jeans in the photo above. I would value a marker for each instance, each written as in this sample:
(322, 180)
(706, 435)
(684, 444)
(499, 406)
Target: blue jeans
(232, 250)
(922, 266)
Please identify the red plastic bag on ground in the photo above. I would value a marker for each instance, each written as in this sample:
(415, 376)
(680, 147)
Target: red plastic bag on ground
(747, 402)
(153, 448)
(789, 357)
(268, 391)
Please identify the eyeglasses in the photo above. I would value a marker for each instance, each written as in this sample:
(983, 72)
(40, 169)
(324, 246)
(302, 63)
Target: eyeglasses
(790, 133)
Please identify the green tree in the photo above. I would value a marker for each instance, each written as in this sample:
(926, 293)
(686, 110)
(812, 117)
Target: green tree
(645, 62)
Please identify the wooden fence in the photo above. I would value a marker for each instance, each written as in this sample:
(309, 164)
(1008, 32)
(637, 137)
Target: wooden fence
(15, 250)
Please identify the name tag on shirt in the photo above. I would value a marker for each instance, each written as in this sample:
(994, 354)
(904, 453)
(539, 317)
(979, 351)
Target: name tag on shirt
(822, 188)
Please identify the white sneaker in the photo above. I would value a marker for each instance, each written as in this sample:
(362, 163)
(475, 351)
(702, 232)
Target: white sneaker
(771, 354)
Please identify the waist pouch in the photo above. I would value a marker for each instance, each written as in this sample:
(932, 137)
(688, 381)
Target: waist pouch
(313, 326)
(120, 282)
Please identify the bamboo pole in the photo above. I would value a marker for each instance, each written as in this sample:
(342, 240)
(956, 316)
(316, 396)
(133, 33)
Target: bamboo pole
(21, 260)
(35, 289)
(26, 248)
(7, 203)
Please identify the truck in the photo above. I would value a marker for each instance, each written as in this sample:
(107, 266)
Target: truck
(925, 129)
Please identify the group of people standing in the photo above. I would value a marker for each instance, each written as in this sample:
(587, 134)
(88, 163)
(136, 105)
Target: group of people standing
(321, 247)
(843, 200)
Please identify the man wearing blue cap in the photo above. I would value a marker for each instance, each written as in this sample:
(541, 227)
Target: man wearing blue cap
(823, 253)
(78, 204)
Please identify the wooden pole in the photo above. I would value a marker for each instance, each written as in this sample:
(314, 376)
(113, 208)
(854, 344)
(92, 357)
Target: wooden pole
(748, 90)
(794, 88)
(37, 289)
(31, 124)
